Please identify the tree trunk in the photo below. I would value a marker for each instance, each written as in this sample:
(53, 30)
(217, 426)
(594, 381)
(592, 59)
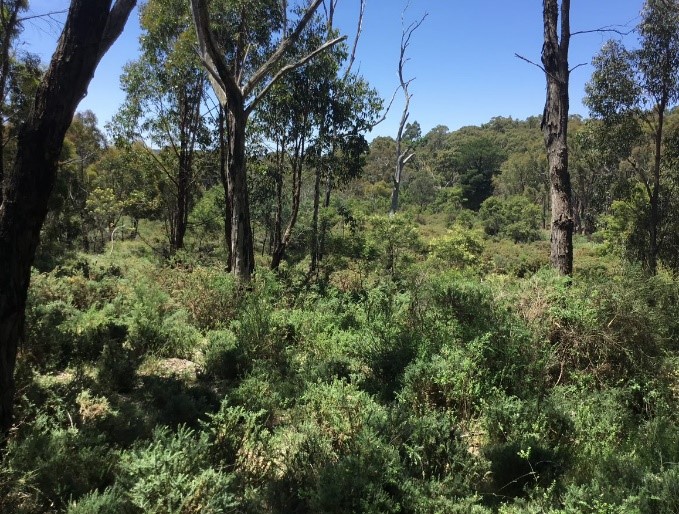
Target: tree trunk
(555, 131)
(242, 249)
(315, 236)
(654, 220)
(326, 204)
(284, 240)
(223, 156)
(395, 191)
(90, 29)
(181, 217)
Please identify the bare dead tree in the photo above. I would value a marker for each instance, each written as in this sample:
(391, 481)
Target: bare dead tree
(554, 125)
(403, 155)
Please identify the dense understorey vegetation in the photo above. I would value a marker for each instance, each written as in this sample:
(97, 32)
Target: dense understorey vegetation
(417, 378)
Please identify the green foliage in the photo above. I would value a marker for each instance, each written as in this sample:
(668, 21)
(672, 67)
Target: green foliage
(172, 474)
(393, 241)
(109, 501)
(222, 355)
(515, 218)
(519, 260)
(59, 463)
(210, 296)
(207, 216)
(458, 248)
(155, 326)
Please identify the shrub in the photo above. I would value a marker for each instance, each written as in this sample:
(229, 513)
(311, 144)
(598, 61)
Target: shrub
(109, 501)
(172, 474)
(211, 297)
(459, 247)
(60, 463)
(117, 368)
(519, 260)
(223, 357)
(516, 218)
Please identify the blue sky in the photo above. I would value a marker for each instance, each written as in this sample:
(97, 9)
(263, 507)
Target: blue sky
(462, 57)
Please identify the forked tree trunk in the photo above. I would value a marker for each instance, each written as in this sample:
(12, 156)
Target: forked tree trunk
(555, 131)
(233, 94)
(283, 240)
(90, 29)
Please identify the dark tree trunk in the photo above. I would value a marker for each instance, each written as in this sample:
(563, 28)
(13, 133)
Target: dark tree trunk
(315, 235)
(277, 234)
(189, 122)
(242, 249)
(555, 131)
(654, 221)
(181, 217)
(90, 29)
(326, 203)
(223, 156)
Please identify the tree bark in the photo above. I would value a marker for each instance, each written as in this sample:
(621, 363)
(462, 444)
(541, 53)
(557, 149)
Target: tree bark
(654, 221)
(90, 29)
(555, 131)
(242, 244)
(315, 234)
(223, 156)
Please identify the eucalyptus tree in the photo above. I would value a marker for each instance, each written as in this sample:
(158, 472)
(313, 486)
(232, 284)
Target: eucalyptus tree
(165, 89)
(351, 109)
(557, 35)
(288, 116)
(632, 91)
(241, 79)
(91, 28)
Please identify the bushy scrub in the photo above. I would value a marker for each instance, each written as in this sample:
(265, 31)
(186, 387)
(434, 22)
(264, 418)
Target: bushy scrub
(210, 296)
(393, 241)
(468, 380)
(516, 259)
(222, 356)
(173, 474)
(460, 247)
(608, 330)
(516, 218)
(156, 326)
(57, 463)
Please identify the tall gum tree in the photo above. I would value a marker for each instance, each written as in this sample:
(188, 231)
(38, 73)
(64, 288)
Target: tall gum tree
(91, 28)
(555, 130)
(632, 91)
(165, 89)
(239, 91)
